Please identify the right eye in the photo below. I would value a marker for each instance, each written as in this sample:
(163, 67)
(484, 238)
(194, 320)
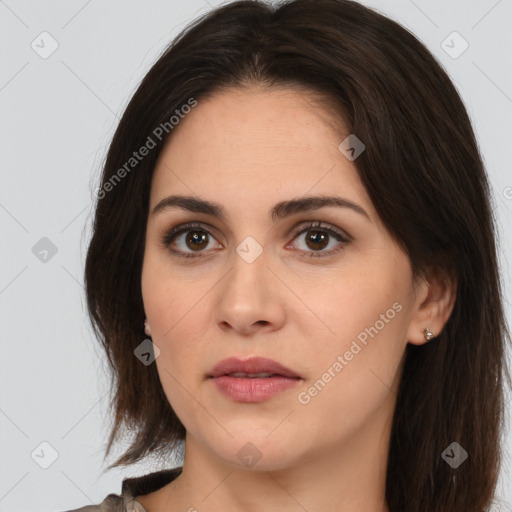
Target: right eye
(191, 236)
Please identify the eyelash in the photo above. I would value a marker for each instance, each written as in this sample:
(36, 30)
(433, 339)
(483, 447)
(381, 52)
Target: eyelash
(170, 235)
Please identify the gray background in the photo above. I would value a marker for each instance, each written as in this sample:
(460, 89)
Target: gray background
(57, 117)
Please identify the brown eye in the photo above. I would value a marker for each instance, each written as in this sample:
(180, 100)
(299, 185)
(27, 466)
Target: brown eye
(187, 239)
(317, 240)
(318, 237)
(196, 240)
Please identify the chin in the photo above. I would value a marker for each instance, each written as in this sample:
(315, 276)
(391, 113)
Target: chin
(257, 451)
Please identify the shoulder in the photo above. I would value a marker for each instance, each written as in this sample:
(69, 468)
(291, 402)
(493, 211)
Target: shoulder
(112, 503)
(132, 487)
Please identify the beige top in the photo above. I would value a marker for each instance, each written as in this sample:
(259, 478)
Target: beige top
(131, 488)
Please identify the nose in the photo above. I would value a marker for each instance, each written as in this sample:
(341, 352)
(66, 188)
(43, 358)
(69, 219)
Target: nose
(250, 298)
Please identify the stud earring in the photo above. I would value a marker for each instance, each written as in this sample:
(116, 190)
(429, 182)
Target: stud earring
(428, 333)
(147, 329)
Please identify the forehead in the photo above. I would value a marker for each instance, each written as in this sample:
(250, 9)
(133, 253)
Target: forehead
(257, 143)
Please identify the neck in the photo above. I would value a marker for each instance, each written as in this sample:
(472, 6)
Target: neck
(347, 478)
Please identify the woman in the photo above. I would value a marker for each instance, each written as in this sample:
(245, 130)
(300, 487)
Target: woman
(293, 272)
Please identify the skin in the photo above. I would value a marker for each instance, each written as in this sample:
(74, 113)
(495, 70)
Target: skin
(248, 149)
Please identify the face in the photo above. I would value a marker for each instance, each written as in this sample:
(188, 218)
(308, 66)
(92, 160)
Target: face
(324, 291)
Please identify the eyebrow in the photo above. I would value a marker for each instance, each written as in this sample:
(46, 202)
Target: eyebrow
(279, 211)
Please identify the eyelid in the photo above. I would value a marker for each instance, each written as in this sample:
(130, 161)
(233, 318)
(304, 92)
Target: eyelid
(168, 235)
(168, 232)
(321, 225)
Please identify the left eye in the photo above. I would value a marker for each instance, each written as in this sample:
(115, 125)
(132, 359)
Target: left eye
(196, 238)
(318, 237)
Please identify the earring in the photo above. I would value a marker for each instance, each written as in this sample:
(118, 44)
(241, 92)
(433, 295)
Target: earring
(428, 334)
(147, 329)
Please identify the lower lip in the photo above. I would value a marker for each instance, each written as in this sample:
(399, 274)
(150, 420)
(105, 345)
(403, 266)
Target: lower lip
(253, 390)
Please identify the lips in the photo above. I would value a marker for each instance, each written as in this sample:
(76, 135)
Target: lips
(252, 380)
(255, 367)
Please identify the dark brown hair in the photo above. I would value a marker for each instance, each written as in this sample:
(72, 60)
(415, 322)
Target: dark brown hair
(422, 170)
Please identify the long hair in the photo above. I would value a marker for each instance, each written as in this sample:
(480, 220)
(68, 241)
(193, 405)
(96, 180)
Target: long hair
(424, 174)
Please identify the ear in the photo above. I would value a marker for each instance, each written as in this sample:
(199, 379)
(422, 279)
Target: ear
(435, 297)
(147, 329)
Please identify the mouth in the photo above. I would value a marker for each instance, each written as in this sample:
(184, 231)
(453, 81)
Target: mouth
(252, 380)
(261, 375)
(252, 368)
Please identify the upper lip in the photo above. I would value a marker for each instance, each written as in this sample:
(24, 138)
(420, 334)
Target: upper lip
(251, 365)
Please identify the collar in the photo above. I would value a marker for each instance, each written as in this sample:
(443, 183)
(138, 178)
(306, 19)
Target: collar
(140, 485)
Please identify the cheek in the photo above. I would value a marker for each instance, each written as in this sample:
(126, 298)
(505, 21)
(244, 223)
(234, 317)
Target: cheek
(167, 308)
(180, 364)
(168, 297)
(354, 299)
(351, 380)
(181, 369)
(177, 321)
(355, 366)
